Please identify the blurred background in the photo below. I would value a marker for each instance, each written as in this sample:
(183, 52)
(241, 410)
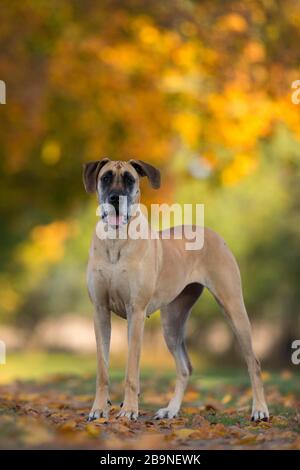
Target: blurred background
(200, 89)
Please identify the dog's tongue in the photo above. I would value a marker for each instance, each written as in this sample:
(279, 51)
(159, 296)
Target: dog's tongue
(114, 220)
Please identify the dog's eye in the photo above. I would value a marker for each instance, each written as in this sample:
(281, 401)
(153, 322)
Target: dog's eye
(106, 178)
(128, 179)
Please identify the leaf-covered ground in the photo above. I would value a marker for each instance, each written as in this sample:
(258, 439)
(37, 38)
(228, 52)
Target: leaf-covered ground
(51, 413)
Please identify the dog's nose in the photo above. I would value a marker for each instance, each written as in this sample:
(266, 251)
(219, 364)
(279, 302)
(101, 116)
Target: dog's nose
(114, 199)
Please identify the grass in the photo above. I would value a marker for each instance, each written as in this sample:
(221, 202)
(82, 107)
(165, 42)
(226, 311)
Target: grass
(37, 365)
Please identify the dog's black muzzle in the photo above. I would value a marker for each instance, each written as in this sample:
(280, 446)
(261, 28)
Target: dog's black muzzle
(114, 200)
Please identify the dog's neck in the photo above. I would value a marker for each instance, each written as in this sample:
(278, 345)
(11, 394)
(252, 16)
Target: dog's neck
(124, 242)
(114, 249)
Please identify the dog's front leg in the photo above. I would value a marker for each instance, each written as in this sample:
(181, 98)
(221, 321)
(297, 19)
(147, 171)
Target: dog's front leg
(136, 321)
(102, 325)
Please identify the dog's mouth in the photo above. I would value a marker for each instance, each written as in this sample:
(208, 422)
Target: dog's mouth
(115, 220)
(113, 217)
(116, 212)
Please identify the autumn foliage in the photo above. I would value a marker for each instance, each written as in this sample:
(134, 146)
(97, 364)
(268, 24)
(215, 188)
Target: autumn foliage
(200, 89)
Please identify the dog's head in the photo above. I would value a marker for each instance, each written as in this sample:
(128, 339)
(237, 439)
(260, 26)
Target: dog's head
(117, 186)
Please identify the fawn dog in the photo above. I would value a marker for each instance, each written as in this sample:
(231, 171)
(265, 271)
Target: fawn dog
(135, 277)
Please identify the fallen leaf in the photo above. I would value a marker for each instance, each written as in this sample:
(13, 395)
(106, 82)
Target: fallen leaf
(183, 433)
(227, 398)
(92, 430)
(68, 426)
(248, 439)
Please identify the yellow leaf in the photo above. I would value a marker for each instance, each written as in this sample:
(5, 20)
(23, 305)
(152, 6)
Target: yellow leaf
(190, 409)
(183, 433)
(233, 22)
(51, 152)
(92, 430)
(227, 398)
(68, 426)
(248, 439)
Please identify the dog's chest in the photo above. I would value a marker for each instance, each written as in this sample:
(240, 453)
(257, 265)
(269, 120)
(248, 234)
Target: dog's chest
(111, 284)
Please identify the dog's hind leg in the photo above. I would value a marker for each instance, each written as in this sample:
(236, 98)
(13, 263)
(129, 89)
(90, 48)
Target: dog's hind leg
(173, 318)
(225, 285)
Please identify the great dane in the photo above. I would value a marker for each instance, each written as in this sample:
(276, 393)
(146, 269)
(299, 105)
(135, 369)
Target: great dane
(136, 277)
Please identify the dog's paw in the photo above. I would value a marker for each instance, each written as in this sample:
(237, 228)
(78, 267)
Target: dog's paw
(260, 413)
(168, 413)
(125, 412)
(99, 412)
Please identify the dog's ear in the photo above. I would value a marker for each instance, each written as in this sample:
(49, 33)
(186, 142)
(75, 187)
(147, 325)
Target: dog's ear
(90, 174)
(144, 169)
